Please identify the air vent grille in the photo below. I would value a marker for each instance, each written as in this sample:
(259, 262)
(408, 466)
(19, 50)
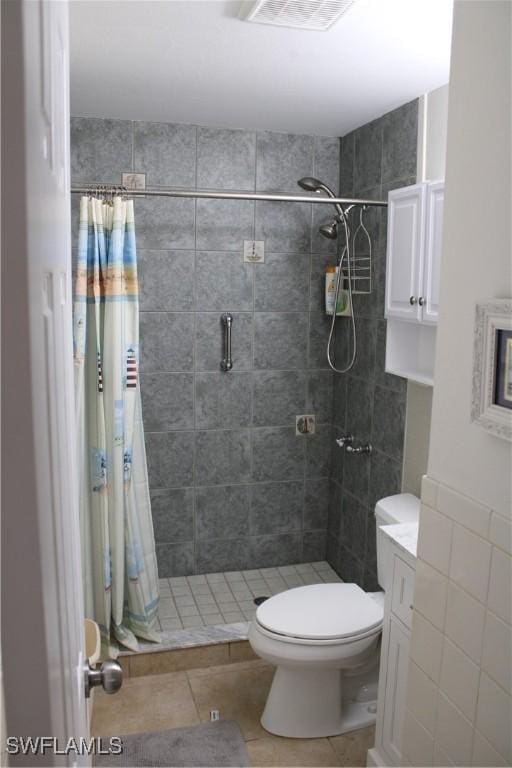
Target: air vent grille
(316, 15)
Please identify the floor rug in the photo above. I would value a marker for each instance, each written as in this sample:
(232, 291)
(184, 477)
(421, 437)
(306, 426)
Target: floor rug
(209, 744)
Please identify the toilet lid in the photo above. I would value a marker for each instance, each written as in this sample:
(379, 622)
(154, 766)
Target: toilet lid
(320, 612)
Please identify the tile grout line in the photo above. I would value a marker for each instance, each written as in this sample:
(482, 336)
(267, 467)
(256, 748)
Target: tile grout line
(196, 706)
(253, 329)
(308, 346)
(195, 544)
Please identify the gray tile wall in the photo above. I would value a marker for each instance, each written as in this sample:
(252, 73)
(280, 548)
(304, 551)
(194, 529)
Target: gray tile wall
(368, 402)
(231, 485)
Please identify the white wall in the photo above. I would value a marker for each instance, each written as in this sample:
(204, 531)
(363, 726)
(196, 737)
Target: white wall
(476, 263)
(459, 704)
(418, 416)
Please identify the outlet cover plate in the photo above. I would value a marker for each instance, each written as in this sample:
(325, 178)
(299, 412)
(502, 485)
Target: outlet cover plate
(254, 251)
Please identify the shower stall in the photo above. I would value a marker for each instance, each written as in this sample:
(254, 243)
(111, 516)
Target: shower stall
(242, 505)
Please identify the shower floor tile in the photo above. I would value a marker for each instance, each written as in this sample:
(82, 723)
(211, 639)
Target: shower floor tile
(220, 599)
(216, 608)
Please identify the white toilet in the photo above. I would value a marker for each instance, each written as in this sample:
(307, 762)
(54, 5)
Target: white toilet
(324, 641)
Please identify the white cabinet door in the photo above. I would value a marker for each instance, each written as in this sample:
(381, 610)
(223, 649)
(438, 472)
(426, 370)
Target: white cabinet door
(434, 241)
(396, 681)
(405, 246)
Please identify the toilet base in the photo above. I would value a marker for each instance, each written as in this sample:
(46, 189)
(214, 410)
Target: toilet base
(358, 714)
(308, 704)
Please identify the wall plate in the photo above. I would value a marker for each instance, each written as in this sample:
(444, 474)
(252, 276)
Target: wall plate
(134, 180)
(254, 251)
(305, 424)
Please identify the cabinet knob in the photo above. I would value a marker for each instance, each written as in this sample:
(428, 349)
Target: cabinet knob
(412, 300)
(421, 301)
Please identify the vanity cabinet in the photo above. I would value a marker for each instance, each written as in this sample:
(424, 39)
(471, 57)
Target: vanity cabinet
(394, 694)
(394, 661)
(414, 244)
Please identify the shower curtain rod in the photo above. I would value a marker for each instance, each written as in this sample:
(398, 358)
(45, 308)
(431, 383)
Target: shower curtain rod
(201, 193)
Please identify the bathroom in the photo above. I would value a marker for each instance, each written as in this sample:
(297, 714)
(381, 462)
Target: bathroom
(312, 565)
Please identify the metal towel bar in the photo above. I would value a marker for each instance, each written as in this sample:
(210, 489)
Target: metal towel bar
(227, 322)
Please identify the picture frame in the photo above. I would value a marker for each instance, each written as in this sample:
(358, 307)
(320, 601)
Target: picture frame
(491, 405)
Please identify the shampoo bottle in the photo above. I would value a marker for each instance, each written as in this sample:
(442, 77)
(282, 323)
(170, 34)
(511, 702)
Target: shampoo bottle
(343, 306)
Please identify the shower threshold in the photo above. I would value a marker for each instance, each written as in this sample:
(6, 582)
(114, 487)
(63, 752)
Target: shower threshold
(217, 607)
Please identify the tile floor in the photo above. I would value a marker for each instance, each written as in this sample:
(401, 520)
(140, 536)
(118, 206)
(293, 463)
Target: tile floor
(238, 691)
(187, 602)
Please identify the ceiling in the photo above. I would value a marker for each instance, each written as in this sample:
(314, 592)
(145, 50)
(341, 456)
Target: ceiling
(195, 61)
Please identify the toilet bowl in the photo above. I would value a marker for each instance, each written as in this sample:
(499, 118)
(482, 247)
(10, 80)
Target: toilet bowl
(315, 635)
(324, 641)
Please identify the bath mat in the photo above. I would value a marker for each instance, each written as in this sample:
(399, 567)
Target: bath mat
(208, 744)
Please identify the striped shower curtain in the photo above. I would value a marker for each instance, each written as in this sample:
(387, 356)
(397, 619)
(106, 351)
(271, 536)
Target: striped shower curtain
(118, 549)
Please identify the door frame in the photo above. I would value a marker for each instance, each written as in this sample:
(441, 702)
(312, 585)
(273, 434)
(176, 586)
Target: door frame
(42, 603)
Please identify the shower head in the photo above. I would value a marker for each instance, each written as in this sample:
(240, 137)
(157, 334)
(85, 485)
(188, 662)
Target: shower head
(329, 230)
(311, 184)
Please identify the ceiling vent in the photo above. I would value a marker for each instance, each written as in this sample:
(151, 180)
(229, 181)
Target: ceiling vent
(317, 15)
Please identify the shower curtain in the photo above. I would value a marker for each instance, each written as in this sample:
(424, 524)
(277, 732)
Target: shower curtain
(118, 549)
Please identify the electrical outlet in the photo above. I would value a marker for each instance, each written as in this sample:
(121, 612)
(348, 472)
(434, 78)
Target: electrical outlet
(214, 715)
(254, 251)
(305, 424)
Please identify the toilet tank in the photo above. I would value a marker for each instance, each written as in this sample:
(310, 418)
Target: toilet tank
(401, 508)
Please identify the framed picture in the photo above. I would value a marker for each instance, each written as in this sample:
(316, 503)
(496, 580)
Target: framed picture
(503, 373)
(491, 406)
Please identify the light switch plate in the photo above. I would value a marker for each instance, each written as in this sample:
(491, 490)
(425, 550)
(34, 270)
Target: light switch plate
(254, 251)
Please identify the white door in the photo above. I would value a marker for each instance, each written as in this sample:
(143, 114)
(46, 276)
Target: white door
(433, 248)
(42, 610)
(406, 217)
(394, 698)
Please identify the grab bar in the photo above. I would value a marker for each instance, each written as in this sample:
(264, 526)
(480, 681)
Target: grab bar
(227, 322)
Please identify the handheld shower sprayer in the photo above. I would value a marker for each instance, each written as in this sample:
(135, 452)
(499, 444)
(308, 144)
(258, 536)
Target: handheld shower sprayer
(310, 184)
(330, 230)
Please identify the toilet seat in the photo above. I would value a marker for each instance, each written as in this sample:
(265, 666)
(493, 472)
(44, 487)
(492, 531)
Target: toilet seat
(321, 613)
